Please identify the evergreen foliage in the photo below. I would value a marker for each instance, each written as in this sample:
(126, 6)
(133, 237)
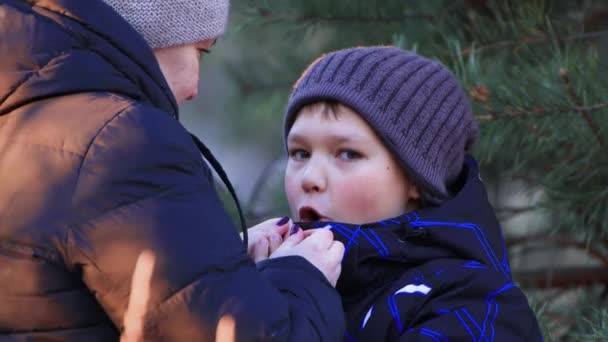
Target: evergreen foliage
(537, 74)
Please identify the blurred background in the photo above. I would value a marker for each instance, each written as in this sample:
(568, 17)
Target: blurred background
(537, 74)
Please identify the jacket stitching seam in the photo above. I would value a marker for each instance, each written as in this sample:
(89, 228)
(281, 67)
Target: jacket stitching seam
(236, 264)
(70, 16)
(92, 142)
(32, 73)
(158, 194)
(83, 40)
(33, 12)
(35, 251)
(56, 149)
(71, 229)
(68, 237)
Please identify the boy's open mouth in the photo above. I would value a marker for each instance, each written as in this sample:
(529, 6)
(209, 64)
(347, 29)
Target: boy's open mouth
(309, 214)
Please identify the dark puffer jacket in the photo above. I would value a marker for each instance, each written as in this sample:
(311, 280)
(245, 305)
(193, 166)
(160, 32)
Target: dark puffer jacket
(438, 274)
(95, 168)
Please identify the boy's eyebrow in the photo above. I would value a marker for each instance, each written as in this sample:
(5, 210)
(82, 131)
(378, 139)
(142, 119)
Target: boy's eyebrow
(334, 138)
(296, 138)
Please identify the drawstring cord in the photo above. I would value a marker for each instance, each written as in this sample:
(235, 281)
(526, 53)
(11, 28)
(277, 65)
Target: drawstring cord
(220, 172)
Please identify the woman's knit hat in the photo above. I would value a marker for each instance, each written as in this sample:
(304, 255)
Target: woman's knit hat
(414, 104)
(165, 23)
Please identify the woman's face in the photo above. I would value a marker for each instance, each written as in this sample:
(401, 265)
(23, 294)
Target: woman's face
(180, 66)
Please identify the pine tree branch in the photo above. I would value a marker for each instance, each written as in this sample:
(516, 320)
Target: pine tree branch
(559, 240)
(516, 210)
(563, 74)
(563, 277)
(507, 213)
(555, 296)
(493, 115)
(266, 13)
(375, 18)
(546, 39)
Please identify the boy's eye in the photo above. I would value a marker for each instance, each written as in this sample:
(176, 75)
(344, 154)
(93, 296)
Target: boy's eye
(349, 155)
(202, 50)
(298, 154)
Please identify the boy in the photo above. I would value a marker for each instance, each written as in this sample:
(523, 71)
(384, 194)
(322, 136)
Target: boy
(377, 140)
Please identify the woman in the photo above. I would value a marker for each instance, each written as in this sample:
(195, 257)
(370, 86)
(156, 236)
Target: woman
(96, 168)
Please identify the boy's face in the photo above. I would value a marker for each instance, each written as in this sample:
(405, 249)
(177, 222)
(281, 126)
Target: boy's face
(339, 170)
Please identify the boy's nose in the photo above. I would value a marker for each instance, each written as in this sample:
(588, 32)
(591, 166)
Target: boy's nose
(313, 178)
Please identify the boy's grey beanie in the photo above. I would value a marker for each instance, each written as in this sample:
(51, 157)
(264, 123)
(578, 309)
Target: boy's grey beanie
(165, 23)
(414, 104)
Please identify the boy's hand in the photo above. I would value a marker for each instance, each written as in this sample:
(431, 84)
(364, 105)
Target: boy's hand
(319, 248)
(266, 237)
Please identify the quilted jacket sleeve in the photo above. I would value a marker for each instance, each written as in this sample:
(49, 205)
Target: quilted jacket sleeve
(143, 185)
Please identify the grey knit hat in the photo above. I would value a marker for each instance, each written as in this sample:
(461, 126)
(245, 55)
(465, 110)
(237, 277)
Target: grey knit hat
(165, 23)
(414, 104)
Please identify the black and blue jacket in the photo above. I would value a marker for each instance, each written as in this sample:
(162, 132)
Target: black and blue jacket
(437, 274)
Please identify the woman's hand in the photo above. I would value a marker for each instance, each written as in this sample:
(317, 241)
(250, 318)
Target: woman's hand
(266, 237)
(319, 248)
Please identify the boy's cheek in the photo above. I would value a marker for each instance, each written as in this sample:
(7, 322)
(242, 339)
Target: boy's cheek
(355, 202)
(291, 191)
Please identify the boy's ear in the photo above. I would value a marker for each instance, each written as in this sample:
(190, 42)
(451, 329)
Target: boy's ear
(414, 193)
(413, 198)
